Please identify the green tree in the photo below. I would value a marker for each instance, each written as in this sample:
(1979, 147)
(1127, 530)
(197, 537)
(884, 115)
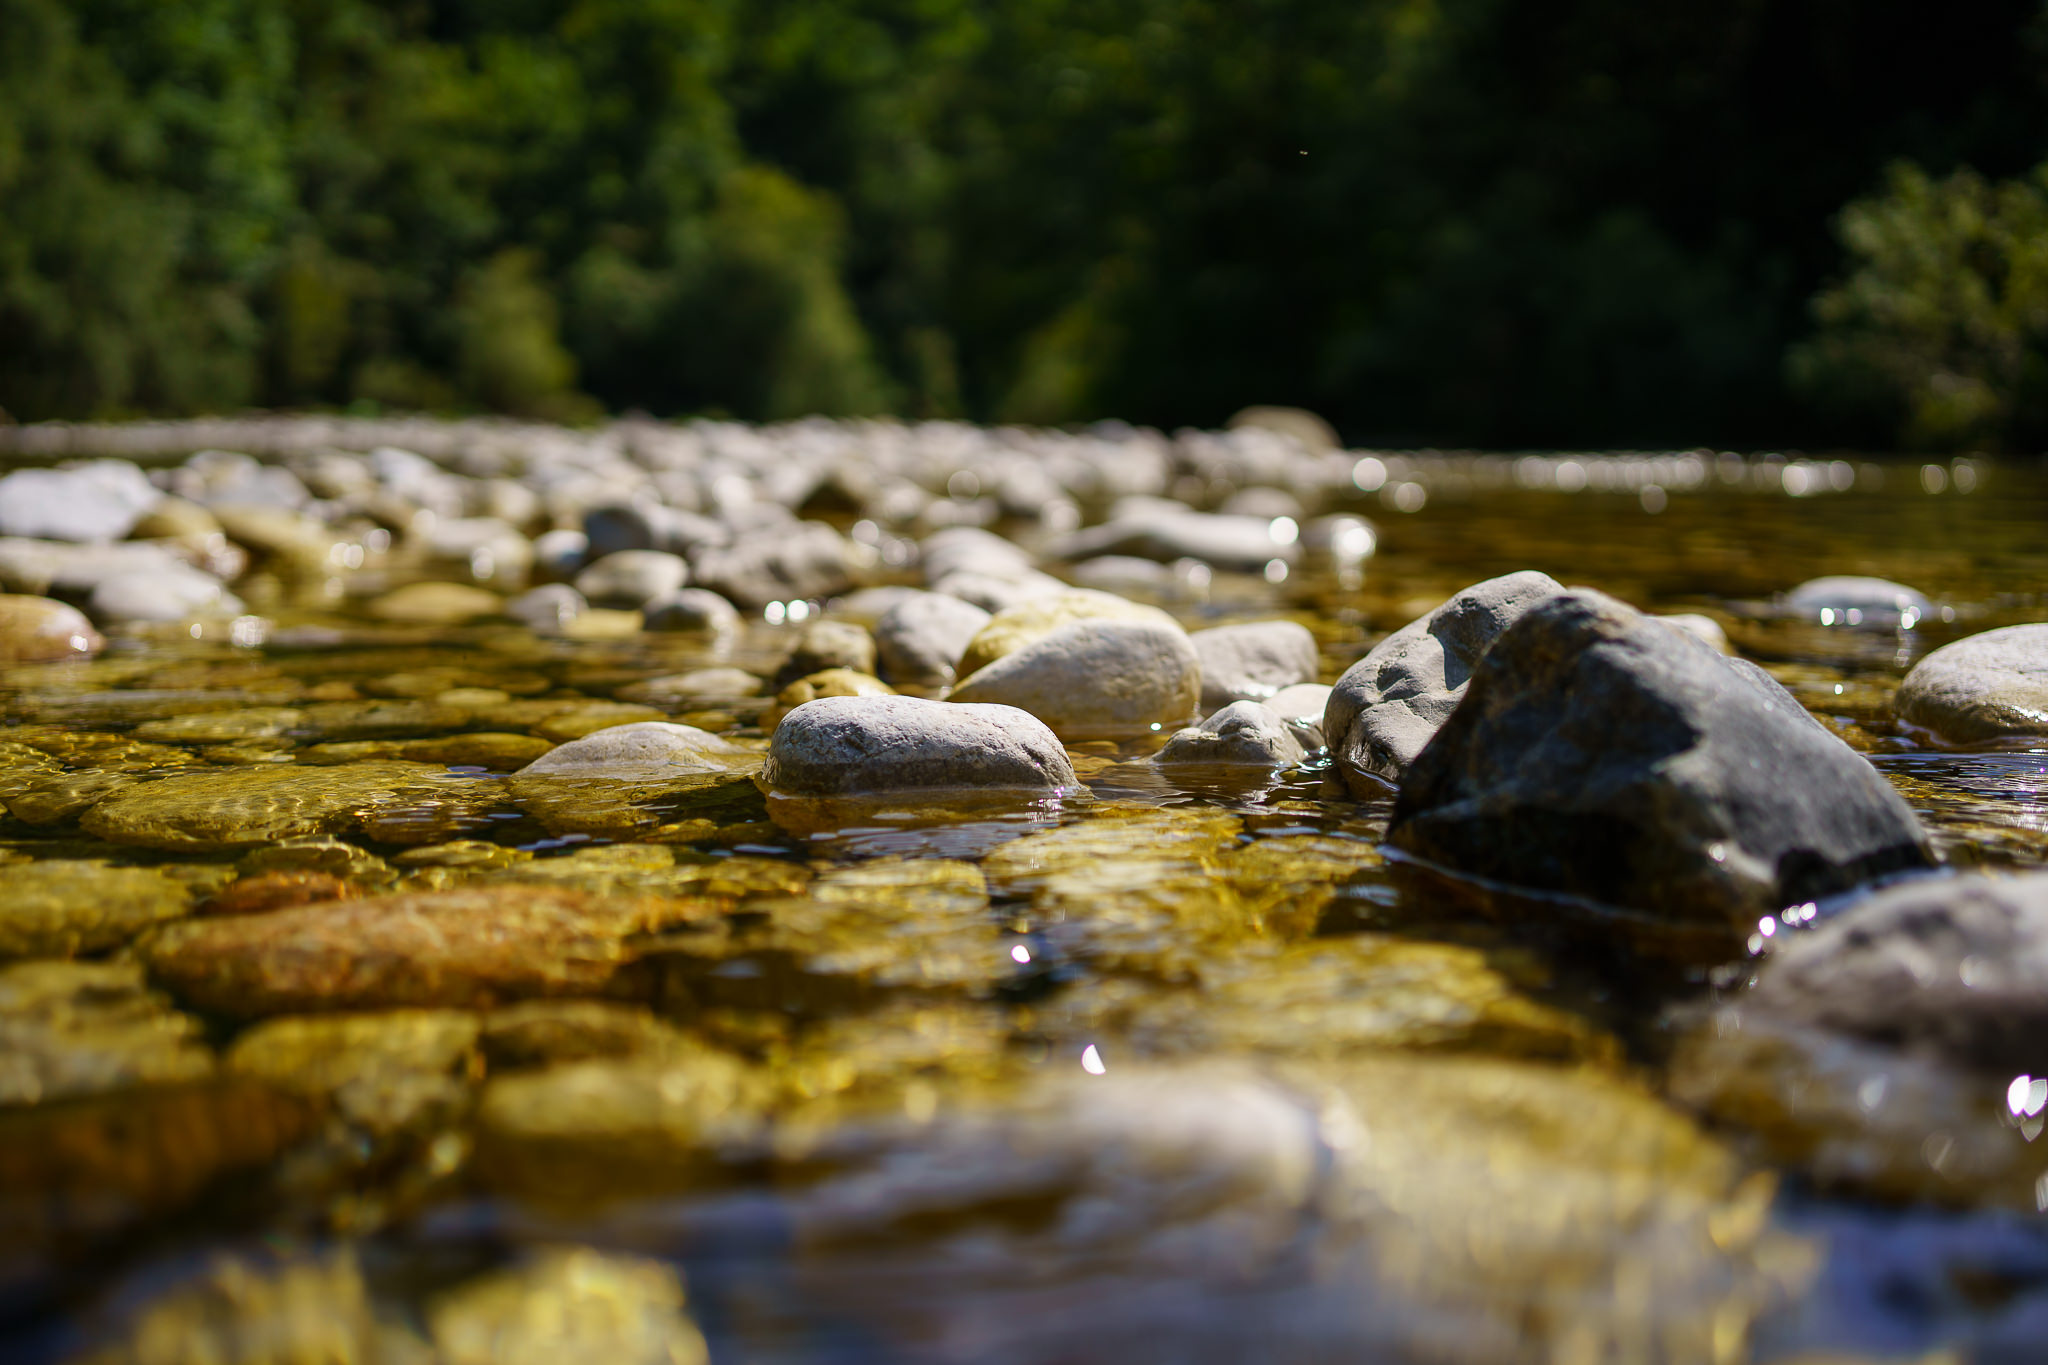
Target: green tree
(1938, 336)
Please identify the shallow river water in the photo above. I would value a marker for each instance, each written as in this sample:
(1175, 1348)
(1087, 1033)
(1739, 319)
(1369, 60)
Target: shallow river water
(1188, 1069)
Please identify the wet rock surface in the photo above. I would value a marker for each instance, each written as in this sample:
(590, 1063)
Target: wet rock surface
(1253, 662)
(1096, 679)
(1987, 687)
(1601, 754)
(1242, 732)
(1887, 1050)
(921, 638)
(1390, 704)
(34, 629)
(206, 811)
(846, 746)
(371, 997)
(461, 947)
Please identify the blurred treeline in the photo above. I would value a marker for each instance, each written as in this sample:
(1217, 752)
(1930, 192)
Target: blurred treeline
(1448, 221)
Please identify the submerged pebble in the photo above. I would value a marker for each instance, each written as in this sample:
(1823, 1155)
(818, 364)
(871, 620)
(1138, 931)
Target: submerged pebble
(463, 947)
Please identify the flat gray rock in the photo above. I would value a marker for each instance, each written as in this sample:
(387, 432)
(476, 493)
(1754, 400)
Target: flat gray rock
(698, 610)
(919, 639)
(548, 609)
(1986, 687)
(828, 644)
(650, 526)
(557, 555)
(969, 549)
(168, 595)
(1601, 754)
(1246, 732)
(1388, 705)
(644, 751)
(1254, 661)
(994, 594)
(1956, 964)
(1168, 532)
(784, 562)
(93, 502)
(698, 687)
(1302, 707)
(1854, 600)
(1097, 679)
(630, 579)
(848, 746)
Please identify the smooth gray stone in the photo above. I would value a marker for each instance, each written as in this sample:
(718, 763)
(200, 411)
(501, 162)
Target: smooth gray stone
(161, 596)
(1125, 575)
(1242, 732)
(845, 746)
(1986, 687)
(1097, 679)
(1602, 754)
(1955, 964)
(548, 609)
(630, 579)
(921, 638)
(828, 644)
(1388, 705)
(1302, 707)
(1854, 600)
(214, 477)
(1252, 662)
(692, 609)
(998, 594)
(650, 526)
(969, 549)
(1169, 532)
(1705, 629)
(698, 687)
(1340, 538)
(92, 503)
(644, 750)
(1263, 503)
(60, 569)
(557, 555)
(782, 562)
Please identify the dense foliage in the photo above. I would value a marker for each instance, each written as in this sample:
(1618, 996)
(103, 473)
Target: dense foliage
(1476, 221)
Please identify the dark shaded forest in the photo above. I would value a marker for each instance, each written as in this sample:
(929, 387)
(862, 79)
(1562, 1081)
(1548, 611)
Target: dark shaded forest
(1473, 222)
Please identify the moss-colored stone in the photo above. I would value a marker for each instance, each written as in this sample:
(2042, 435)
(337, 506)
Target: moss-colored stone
(223, 727)
(59, 908)
(831, 682)
(385, 1073)
(589, 1130)
(69, 1029)
(473, 945)
(501, 753)
(246, 807)
(568, 1304)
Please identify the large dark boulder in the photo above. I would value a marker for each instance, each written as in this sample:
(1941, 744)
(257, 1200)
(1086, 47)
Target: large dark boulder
(1602, 754)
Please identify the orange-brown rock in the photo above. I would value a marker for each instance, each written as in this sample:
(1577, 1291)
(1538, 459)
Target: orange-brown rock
(469, 946)
(36, 628)
(269, 891)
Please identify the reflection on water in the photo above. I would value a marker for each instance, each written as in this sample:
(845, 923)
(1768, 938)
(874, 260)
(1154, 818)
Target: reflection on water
(1179, 1066)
